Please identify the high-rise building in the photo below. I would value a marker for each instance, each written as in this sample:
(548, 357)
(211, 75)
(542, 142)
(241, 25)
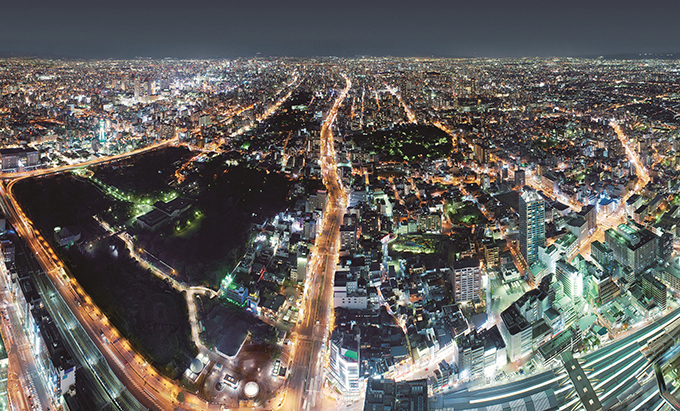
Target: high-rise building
(654, 289)
(481, 153)
(517, 332)
(589, 213)
(531, 225)
(348, 237)
(571, 279)
(480, 352)
(601, 253)
(136, 88)
(605, 289)
(101, 132)
(664, 249)
(492, 251)
(467, 280)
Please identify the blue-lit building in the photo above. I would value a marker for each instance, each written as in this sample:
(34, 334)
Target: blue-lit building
(101, 132)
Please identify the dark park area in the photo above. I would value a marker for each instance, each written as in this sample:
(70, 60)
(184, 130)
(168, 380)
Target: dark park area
(231, 199)
(146, 177)
(406, 142)
(228, 327)
(145, 309)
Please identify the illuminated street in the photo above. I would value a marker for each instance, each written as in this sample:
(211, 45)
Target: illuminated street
(304, 384)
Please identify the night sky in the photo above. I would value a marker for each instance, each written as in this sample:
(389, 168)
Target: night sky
(442, 28)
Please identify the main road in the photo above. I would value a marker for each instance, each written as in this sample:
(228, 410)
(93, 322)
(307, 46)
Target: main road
(306, 377)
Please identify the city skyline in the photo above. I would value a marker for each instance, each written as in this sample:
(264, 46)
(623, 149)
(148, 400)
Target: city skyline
(209, 29)
(248, 231)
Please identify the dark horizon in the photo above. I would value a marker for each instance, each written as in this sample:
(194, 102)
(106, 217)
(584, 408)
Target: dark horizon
(399, 28)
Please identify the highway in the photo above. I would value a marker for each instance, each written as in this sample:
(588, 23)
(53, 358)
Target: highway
(73, 321)
(306, 377)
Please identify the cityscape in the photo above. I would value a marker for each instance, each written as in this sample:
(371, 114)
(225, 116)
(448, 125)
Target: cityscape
(340, 206)
(361, 234)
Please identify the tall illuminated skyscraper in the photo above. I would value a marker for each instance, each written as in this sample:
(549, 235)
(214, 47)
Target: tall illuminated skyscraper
(101, 133)
(531, 225)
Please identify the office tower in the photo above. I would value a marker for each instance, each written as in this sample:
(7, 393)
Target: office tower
(571, 279)
(654, 289)
(344, 361)
(479, 352)
(531, 225)
(601, 253)
(517, 332)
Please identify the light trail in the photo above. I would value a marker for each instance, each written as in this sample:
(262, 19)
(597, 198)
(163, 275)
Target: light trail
(632, 155)
(315, 318)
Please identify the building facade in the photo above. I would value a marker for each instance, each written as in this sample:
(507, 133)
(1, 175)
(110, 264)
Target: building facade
(466, 280)
(344, 361)
(531, 225)
(571, 279)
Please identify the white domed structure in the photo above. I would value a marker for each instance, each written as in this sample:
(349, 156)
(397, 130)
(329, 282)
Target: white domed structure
(251, 389)
(196, 366)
